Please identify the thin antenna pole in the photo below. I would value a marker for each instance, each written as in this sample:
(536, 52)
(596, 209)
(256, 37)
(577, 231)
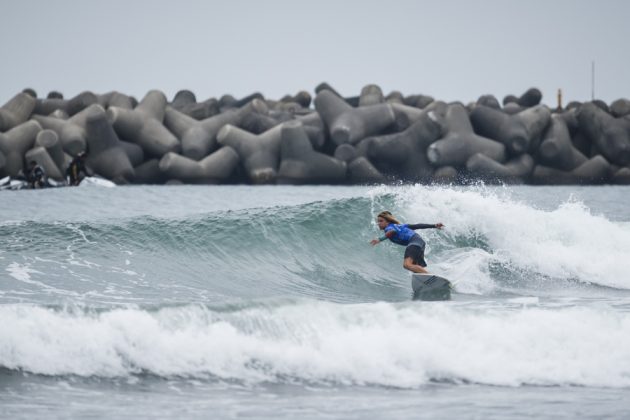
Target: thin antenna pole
(593, 80)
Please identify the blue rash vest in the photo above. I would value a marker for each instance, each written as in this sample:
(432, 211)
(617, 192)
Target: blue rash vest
(404, 235)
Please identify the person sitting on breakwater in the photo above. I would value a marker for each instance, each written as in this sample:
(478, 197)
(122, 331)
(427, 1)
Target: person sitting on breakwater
(403, 234)
(36, 176)
(77, 170)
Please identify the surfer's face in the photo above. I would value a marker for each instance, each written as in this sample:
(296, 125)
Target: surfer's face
(382, 223)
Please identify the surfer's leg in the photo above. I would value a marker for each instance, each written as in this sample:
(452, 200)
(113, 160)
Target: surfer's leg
(414, 257)
(415, 268)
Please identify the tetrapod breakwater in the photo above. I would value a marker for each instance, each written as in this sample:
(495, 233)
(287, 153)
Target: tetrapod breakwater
(318, 138)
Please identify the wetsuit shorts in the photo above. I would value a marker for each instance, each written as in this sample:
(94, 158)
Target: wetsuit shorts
(416, 253)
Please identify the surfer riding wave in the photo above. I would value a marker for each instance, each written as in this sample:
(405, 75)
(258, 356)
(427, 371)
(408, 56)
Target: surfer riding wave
(403, 234)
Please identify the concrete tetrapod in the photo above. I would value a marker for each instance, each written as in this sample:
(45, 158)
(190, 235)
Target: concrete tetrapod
(107, 156)
(71, 132)
(519, 133)
(303, 98)
(346, 152)
(406, 115)
(71, 106)
(610, 135)
(80, 102)
(530, 98)
(49, 105)
(315, 129)
(371, 95)
(461, 142)
(395, 97)
(300, 164)
(116, 99)
(556, 149)
(59, 114)
(54, 94)
(199, 137)
(214, 168)
(134, 152)
(419, 101)
(3, 162)
(228, 101)
(14, 144)
(490, 101)
(516, 170)
(257, 123)
(16, 111)
(49, 140)
(445, 175)
(41, 156)
(186, 103)
(143, 125)
(259, 153)
(404, 154)
(149, 173)
(596, 170)
(620, 107)
(361, 171)
(621, 177)
(349, 125)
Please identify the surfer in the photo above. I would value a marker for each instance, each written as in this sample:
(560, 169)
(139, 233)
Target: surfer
(403, 234)
(77, 170)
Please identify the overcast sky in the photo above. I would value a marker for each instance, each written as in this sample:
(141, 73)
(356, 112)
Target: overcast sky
(452, 50)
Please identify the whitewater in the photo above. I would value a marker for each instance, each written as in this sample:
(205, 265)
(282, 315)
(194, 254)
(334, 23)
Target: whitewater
(269, 302)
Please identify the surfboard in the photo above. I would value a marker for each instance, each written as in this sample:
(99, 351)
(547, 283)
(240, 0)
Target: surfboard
(430, 287)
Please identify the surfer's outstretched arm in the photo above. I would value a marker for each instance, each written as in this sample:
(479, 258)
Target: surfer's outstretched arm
(387, 235)
(426, 226)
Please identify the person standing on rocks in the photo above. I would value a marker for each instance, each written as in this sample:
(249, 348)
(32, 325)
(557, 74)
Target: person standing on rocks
(77, 170)
(36, 176)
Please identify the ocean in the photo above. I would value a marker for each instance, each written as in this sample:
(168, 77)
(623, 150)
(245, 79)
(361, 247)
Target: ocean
(269, 302)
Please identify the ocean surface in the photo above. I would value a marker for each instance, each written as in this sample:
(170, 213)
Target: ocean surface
(269, 302)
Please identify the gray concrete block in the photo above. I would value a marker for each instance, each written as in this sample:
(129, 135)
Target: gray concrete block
(106, 155)
(610, 135)
(259, 153)
(404, 154)
(199, 138)
(16, 111)
(371, 95)
(15, 143)
(460, 141)
(361, 171)
(519, 133)
(300, 164)
(349, 125)
(596, 170)
(556, 149)
(49, 140)
(516, 170)
(43, 159)
(214, 168)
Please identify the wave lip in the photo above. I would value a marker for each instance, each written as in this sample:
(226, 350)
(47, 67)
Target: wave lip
(380, 344)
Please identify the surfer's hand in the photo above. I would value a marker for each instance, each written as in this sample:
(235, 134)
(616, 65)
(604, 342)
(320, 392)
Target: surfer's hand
(374, 241)
(439, 225)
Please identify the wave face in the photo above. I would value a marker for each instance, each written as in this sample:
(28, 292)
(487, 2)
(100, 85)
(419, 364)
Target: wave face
(493, 242)
(283, 287)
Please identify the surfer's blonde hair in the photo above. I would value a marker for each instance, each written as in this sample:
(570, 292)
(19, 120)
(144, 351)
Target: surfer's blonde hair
(389, 217)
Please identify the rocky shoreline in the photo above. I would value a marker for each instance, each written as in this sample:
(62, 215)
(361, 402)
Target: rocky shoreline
(322, 139)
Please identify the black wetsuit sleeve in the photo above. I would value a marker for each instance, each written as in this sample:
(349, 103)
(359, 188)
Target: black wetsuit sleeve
(421, 226)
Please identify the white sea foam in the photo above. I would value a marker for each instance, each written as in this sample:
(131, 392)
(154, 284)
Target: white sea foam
(566, 242)
(21, 272)
(368, 344)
